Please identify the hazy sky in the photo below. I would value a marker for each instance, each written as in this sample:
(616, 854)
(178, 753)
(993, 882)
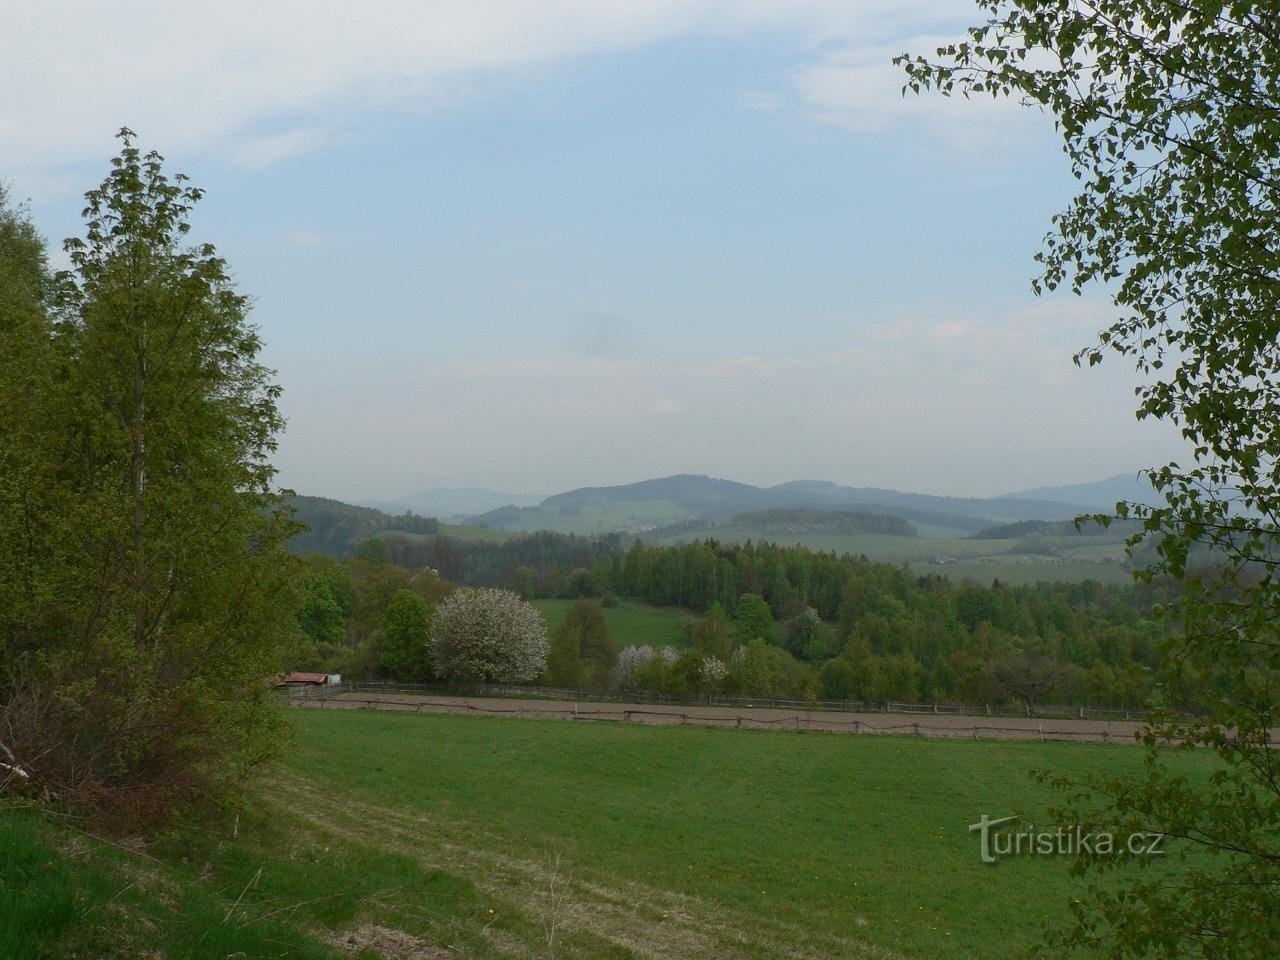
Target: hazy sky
(540, 244)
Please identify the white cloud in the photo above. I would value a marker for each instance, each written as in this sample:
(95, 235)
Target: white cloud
(260, 82)
(860, 89)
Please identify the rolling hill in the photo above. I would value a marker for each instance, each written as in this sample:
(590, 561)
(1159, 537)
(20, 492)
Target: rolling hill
(649, 504)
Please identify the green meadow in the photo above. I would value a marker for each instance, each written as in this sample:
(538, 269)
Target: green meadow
(492, 837)
(630, 622)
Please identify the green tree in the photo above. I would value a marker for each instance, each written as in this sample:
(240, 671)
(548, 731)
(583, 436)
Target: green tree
(582, 653)
(711, 634)
(807, 636)
(752, 619)
(405, 633)
(1170, 118)
(135, 672)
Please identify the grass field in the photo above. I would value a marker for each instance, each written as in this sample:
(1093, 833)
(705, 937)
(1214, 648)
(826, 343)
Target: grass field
(1077, 558)
(490, 837)
(630, 622)
(1025, 570)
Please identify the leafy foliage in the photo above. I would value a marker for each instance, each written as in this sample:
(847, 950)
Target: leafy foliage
(1170, 118)
(582, 653)
(405, 632)
(144, 590)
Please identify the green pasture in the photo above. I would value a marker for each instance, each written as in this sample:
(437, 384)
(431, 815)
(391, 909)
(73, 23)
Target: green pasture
(386, 836)
(631, 622)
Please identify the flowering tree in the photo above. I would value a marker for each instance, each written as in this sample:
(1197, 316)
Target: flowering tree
(490, 636)
(711, 674)
(632, 660)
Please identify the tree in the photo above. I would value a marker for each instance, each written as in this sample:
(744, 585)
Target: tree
(711, 634)
(752, 619)
(1170, 118)
(1029, 675)
(712, 672)
(582, 652)
(146, 585)
(807, 636)
(488, 636)
(405, 631)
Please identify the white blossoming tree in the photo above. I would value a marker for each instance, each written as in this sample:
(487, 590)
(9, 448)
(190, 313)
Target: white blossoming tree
(711, 673)
(488, 636)
(631, 660)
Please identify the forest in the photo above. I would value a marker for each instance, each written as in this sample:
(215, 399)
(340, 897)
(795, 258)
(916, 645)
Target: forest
(784, 621)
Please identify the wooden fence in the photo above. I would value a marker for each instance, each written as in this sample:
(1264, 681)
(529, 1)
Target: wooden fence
(814, 720)
(1047, 712)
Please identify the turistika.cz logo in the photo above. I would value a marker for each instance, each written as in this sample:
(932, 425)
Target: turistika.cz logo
(1028, 841)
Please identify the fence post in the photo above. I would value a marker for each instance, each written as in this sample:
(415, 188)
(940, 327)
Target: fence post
(916, 729)
(975, 733)
(1041, 726)
(737, 725)
(626, 716)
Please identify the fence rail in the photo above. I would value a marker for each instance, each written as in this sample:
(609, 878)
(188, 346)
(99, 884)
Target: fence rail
(1047, 712)
(1068, 730)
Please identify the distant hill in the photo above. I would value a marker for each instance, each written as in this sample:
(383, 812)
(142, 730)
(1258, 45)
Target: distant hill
(452, 502)
(1101, 495)
(649, 504)
(698, 494)
(338, 528)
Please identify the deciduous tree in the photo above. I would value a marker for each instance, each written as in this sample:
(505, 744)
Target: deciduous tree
(1170, 119)
(489, 636)
(148, 587)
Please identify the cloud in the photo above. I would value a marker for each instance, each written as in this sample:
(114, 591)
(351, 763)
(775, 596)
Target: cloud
(262, 82)
(255, 152)
(860, 89)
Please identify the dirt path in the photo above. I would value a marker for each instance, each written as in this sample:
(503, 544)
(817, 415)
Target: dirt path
(754, 718)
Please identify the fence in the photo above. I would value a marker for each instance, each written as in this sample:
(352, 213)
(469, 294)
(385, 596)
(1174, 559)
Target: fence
(1050, 712)
(1069, 730)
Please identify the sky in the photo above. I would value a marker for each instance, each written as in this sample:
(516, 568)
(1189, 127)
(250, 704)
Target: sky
(533, 245)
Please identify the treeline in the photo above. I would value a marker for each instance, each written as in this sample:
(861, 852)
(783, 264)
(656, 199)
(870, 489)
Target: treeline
(793, 520)
(542, 564)
(782, 621)
(877, 631)
(337, 528)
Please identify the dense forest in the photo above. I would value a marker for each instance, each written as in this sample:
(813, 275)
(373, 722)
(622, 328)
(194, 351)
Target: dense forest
(811, 623)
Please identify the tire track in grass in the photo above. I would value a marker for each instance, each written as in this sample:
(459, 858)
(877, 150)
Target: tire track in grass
(648, 921)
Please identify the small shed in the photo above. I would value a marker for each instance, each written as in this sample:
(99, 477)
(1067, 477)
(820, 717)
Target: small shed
(301, 679)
